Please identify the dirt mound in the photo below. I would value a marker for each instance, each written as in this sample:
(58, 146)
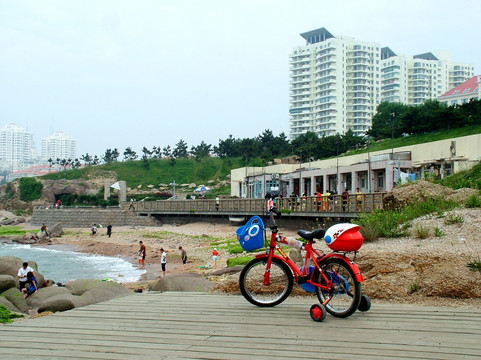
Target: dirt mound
(422, 190)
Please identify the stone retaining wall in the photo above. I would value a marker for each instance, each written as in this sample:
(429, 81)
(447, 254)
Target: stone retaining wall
(86, 217)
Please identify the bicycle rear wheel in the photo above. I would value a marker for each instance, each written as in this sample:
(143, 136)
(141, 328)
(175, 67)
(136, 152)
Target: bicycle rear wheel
(251, 282)
(345, 294)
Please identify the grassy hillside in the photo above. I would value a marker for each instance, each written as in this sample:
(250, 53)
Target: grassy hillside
(159, 171)
(419, 139)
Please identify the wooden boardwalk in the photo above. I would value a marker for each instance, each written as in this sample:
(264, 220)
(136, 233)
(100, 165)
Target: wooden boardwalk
(200, 326)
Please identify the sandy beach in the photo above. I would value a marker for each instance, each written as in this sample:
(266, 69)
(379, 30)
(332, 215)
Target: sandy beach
(195, 238)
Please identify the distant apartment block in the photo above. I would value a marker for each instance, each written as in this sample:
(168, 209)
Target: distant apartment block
(336, 83)
(59, 146)
(16, 147)
(463, 93)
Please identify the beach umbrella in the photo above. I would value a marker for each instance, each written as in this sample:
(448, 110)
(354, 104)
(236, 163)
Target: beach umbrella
(202, 188)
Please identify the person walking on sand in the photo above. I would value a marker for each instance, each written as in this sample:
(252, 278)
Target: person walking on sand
(215, 255)
(109, 230)
(183, 255)
(94, 230)
(163, 260)
(141, 255)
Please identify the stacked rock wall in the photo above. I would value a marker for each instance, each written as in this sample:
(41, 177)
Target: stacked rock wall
(85, 217)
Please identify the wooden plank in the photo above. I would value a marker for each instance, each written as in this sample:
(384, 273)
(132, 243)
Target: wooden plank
(194, 325)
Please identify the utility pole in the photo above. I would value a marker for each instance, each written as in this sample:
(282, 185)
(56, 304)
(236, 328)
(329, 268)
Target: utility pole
(173, 184)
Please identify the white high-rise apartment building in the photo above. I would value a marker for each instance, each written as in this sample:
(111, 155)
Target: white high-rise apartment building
(336, 83)
(59, 146)
(16, 147)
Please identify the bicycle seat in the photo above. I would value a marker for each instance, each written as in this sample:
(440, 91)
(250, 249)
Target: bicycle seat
(309, 235)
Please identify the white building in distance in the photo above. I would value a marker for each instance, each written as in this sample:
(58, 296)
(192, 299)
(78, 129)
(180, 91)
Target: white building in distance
(59, 146)
(336, 83)
(16, 147)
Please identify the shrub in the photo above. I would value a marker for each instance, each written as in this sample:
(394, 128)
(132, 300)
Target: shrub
(421, 232)
(370, 232)
(241, 260)
(453, 219)
(473, 201)
(413, 288)
(438, 232)
(475, 265)
(30, 189)
(6, 316)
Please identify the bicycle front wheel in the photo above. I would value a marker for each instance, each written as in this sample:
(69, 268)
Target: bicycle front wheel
(345, 292)
(251, 282)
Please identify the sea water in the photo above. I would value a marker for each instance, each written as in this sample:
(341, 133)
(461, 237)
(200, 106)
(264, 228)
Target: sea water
(63, 265)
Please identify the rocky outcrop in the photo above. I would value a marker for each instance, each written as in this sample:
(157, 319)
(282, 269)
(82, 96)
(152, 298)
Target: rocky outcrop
(15, 296)
(56, 305)
(52, 188)
(52, 298)
(6, 282)
(9, 265)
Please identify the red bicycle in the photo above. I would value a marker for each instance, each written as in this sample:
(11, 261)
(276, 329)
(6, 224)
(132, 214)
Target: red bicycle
(268, 279)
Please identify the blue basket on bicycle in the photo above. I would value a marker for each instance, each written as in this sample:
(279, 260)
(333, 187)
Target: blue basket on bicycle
(251, 235)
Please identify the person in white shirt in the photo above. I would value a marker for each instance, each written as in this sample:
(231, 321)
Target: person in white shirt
(163, 260)
(22, 274)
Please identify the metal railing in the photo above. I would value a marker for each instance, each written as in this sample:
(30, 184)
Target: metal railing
(360, 203)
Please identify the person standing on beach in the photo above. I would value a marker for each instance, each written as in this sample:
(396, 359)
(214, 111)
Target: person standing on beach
(215, 255)
(163, 260)
(94, 230)
(141, 255)
(43, 229)
(183, 254)
(109, 230)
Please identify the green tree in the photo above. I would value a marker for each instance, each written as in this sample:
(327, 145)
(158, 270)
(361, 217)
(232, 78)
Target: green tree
(201, 151)
(180, 150)
(30, 189)
(129, 154)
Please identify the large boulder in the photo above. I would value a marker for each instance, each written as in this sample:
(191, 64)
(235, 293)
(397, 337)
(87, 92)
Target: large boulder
(15, 296)
(51, 188)
(55, 230)
(182, 282)
(6, 282)
(48, 293)
(8, 305)
(9, 265)
(78, 287)
(56, 305)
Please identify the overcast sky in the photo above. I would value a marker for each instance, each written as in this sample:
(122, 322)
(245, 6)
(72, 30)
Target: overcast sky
(114, 73)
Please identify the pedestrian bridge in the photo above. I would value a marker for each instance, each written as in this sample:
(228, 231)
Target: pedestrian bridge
(335, 206)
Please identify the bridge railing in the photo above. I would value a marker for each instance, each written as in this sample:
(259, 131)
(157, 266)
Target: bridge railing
(311, 204)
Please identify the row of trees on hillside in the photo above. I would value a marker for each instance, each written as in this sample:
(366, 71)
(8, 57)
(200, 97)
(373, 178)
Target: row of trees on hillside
(390, 120)
(396, 119)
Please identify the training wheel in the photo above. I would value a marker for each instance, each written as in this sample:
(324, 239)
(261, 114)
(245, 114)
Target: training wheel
(318, 312)
(365, 303)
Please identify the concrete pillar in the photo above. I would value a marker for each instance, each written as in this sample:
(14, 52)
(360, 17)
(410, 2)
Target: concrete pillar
(106, 190)
(123, 191)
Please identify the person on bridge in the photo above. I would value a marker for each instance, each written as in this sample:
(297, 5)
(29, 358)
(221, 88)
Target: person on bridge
(358, 199)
